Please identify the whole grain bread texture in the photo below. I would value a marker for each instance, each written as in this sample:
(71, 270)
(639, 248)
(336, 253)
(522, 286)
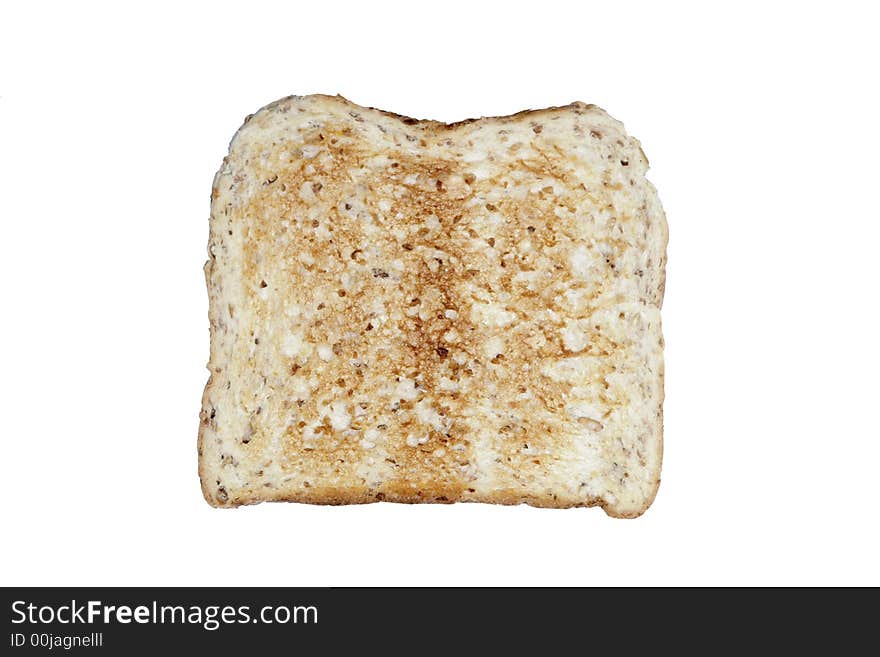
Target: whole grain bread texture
(414, 311)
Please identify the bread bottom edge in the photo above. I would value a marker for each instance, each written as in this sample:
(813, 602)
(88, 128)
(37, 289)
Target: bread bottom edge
(343, 497)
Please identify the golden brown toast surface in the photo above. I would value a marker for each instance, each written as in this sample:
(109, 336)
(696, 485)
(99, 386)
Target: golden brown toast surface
(412, 311)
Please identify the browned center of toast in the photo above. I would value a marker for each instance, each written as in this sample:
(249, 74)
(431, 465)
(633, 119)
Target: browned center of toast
(422, 305)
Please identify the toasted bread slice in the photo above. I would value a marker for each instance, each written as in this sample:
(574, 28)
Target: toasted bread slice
(411, 311)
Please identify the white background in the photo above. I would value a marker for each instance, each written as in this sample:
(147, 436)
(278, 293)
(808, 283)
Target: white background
(761, 123)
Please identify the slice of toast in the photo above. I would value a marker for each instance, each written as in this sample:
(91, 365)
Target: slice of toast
(411, 311)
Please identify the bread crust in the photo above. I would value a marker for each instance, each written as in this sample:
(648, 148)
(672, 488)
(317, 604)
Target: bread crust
(422, 489)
